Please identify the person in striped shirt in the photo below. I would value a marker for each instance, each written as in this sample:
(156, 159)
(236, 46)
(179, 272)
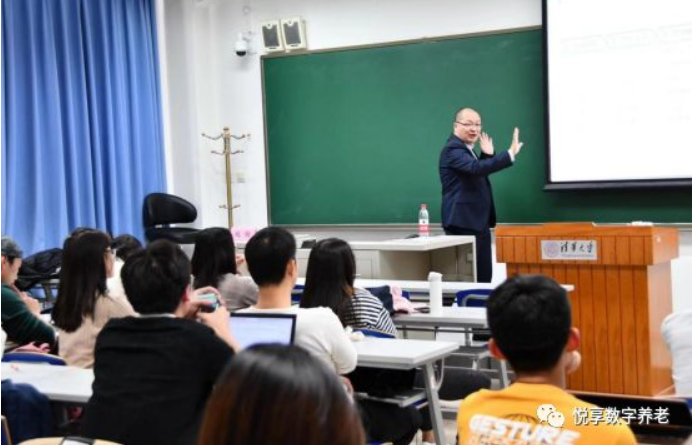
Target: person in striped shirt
(330, 283)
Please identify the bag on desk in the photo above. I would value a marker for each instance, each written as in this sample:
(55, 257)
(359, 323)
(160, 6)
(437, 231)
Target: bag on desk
(383, 383)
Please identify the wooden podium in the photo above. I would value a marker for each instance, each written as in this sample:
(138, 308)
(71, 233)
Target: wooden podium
(622, 279)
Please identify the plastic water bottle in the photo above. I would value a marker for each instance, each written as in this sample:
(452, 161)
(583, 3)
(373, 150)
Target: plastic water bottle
(423, 221)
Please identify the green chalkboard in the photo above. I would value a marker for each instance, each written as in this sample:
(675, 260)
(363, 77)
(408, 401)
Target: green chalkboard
(354, 135)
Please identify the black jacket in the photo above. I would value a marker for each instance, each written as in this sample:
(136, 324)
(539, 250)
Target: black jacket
(467, 195)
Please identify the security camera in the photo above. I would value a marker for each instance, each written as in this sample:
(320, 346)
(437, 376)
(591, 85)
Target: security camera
(242, 45)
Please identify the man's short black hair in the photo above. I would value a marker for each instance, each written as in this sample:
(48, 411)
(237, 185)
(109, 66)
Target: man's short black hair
(529, 318)
(267, 253)
(156, 278)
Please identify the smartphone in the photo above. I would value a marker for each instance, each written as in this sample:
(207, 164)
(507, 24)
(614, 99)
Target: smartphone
(211, 298)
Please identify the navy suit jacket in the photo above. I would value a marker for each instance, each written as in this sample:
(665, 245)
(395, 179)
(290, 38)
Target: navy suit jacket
(467, 196)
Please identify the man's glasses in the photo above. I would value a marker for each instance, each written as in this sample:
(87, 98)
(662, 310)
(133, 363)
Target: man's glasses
(469, 125)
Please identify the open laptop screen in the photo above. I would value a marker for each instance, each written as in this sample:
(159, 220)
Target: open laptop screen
(253, 329)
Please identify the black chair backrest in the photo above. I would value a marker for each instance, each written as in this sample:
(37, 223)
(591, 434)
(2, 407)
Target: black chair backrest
(162, 208)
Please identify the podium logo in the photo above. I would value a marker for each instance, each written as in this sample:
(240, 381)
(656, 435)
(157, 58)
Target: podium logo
(551, 249)
(578, 249)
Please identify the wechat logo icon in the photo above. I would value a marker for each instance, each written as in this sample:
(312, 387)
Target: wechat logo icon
(548, 413)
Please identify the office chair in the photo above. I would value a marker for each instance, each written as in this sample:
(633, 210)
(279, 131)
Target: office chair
(472, 297)
(162, 209)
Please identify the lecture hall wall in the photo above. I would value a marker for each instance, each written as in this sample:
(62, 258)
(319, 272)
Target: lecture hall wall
(206, 86)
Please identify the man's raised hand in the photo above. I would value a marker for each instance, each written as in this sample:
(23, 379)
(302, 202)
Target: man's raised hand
(516, 145)
(486, 144)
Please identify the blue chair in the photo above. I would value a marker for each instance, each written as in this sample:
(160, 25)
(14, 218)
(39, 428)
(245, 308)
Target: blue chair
(374, 333)
(33, 357)
(297, 293)
(479, 298)
(472, 297)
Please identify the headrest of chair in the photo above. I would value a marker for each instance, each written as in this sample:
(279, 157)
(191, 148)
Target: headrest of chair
(162, 208)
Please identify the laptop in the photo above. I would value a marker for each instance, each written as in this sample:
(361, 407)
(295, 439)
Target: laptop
(253, 329)
(677, 431)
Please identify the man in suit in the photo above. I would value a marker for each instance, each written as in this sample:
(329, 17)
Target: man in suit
(467, 198)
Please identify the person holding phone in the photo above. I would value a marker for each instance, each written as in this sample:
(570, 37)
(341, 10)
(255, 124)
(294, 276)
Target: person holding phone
(154, 373)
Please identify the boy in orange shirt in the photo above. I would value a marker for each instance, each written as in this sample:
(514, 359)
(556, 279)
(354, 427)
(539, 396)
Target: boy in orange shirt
(530, 322)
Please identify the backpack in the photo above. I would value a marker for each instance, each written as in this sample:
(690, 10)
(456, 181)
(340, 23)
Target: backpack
(38, 267)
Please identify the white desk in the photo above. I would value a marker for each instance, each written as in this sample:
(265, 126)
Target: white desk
(422, 286)
(449, 317)
(58, 383)
(408, 259)
(424, 244)
(413, 259)
(388, 353)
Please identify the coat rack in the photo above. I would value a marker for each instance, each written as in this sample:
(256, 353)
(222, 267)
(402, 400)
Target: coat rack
(227, 152)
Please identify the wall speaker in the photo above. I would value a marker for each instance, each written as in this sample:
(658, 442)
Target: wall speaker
(271, 36)
(294, 33)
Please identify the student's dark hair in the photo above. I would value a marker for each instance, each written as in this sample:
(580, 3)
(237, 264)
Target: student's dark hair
(156, 278)
(77, 231)
(529, 317)
(214, 256)
(82, 278)
(281, 395)
(268, 253)
(330, 277)
(125, 245)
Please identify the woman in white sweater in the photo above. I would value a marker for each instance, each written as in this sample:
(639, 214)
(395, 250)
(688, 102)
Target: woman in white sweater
(84, 304)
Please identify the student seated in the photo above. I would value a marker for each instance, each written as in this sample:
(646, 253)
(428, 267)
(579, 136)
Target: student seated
(123, 246)
(214, 264)
(530, 322)
(280, 395)
(154, 373)
(271, 258)
(20, 312)
(330, 283)
(84, 305)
